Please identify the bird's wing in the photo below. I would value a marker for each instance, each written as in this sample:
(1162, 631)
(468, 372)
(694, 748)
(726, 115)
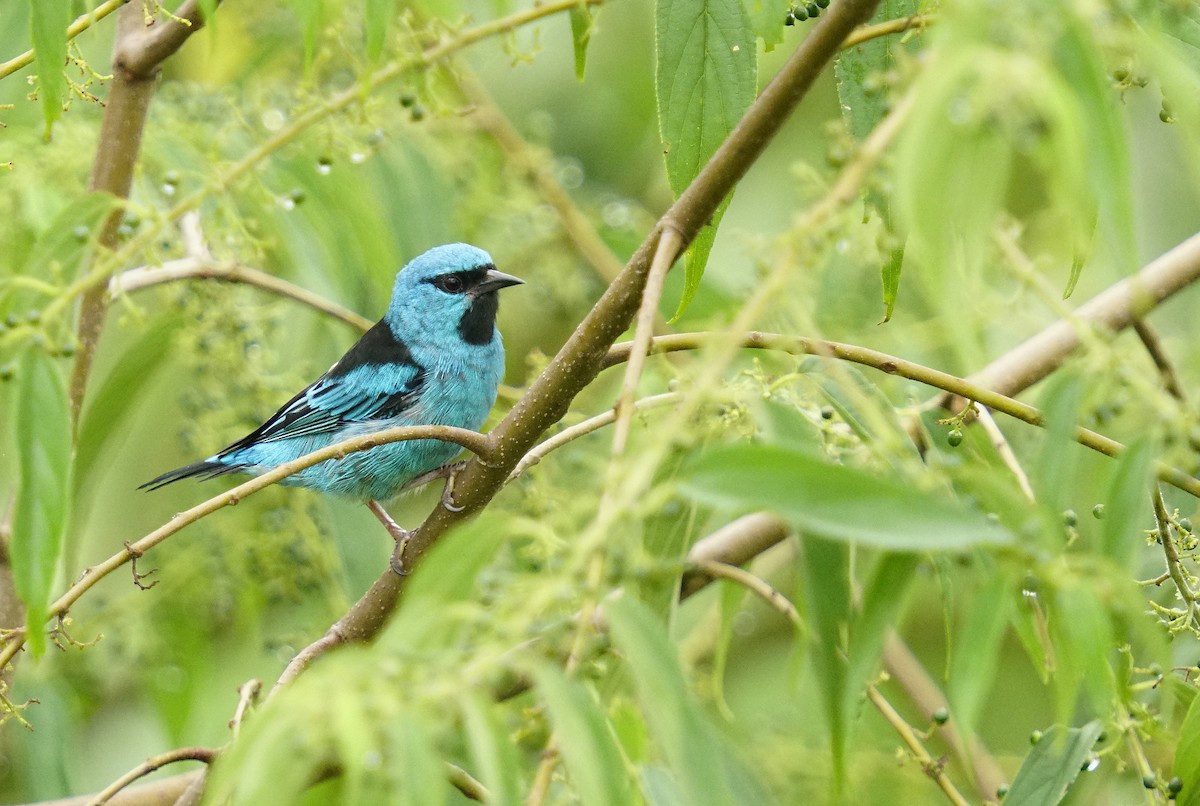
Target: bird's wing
(376, 380)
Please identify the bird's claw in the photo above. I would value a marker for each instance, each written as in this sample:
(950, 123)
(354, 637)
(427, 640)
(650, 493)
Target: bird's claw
(448, 491)
(396, 563)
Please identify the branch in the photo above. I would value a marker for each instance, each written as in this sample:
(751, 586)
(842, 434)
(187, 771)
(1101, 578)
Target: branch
(967, 388)
(81, 24)
(156, 793)
(1113, 309)
(582, 357)
(204, 754)
(138, 51)
(479, 444)
(201, 268)
(931, 768)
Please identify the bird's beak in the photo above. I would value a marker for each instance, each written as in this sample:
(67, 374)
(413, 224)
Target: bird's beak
(495, 280)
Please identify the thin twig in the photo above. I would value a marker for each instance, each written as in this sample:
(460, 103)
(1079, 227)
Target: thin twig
(751, 582)
(965, 388)
(897, 26)
(1166, 369)
(1174, 564)
(479, 444)
(669, 245)
(205, 754)
(931, 767)
(988, 423)
(247, 697)
(81, 24)
(305, 658)
(189, 268)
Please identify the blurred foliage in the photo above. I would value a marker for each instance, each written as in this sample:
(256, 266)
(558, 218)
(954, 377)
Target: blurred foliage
(1049, 150)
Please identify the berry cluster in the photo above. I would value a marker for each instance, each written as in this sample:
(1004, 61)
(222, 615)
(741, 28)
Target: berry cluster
(809, 10)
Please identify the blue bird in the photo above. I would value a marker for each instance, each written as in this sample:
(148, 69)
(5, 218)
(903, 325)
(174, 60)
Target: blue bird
(435, 358)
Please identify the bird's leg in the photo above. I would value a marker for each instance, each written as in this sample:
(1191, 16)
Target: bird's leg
(401, 536)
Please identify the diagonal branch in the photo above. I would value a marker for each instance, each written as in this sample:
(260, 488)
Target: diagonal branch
(581, 358)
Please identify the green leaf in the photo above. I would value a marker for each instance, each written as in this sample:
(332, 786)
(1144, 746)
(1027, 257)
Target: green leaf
(377, 18)
(1128, 505)
(674, 717)
(581, 35)
(858, 71)
(59, 246)
(417, 774)
(48, 28)
(705, 75)
(1052, 765)
(766, 20)
(836, 501)
(107, 408)
(882, 606)
(1058, 461)
(585, 740)
(889, 276)
(44, 488)
(492, 750)
(312, 15)
(826, 567)
(696, 258)
(1082, 630)
(976, 649)
(1187, 756)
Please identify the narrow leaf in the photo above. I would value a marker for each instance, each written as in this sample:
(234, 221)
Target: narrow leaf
(44, 489)
(1052, 765)
(882, 605)
(48, 27)
(889, 276)
(581, 35)
(417, 772)
(585, 740)
(492, 750)
(1187, 756)
(675, 718)
(976, 649)
(377, 18)
(827, 587)
(1128, 504)
(839, 502)
(705, 76)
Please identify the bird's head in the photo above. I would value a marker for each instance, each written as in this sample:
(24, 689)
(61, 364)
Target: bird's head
(449, 290)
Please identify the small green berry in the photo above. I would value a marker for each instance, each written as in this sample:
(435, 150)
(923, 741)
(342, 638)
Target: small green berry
(790, 19)
(823, 3)
(1070, 518)
(1155, 670)
(417, 113)
(11, 320)
(408, 99)
(954, 438)
(800, 14)
(1001, 791)
(813, 10)
(1102, 738)
(297, 196)
(827, 412)
(81, 233)
(941, 716)
(171, 178)
(1098, 511)
(1165, 116)
(1035, 737)
(67, 350)
(7, 372)
(1150, 780)
(1175, 785)
(32, 316)
(1185, 524)
(1120, 74)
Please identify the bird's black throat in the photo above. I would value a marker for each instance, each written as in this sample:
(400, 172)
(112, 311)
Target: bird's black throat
(478, 323)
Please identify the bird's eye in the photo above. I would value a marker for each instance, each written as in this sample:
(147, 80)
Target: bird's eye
(450, 283)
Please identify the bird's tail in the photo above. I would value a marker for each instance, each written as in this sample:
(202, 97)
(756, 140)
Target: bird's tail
(205, 468)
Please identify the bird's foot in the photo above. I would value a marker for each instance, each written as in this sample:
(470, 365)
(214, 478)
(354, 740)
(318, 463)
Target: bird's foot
(396, 563)
(452, 471)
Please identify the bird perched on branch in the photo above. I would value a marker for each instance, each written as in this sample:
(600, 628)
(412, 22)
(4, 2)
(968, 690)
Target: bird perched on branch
(435, 358)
